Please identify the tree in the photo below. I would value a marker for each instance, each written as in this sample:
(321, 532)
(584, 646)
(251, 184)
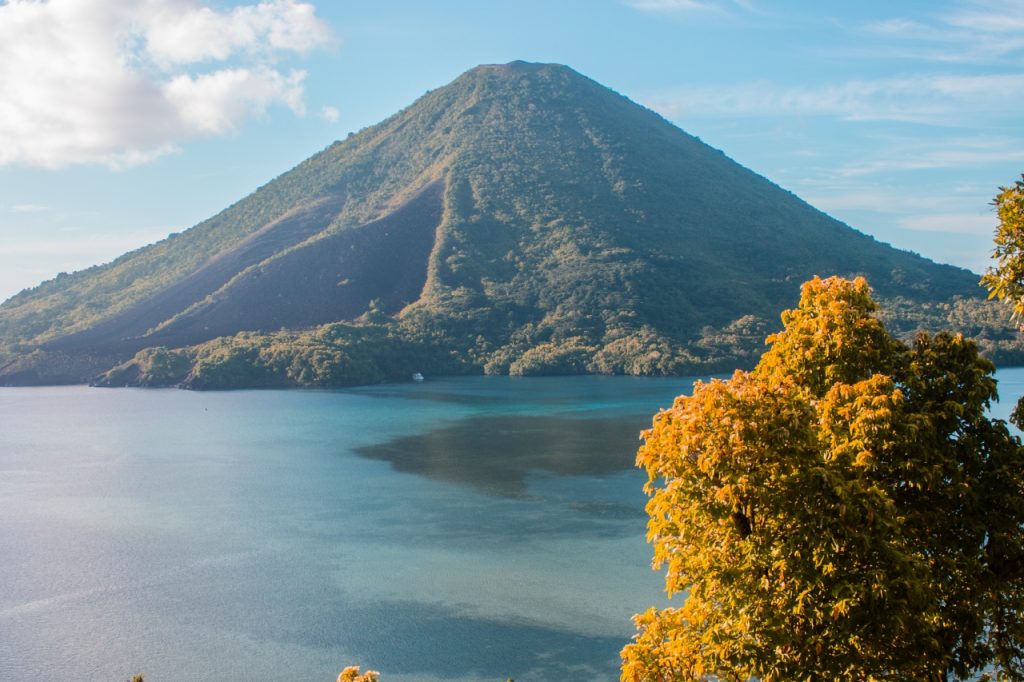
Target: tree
(844, 511)
(352, 674)
(1006, 280)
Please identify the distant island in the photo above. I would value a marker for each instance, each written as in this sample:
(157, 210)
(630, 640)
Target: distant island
(522, 220)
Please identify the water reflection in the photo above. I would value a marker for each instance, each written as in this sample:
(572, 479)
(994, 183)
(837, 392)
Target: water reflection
(494, 454)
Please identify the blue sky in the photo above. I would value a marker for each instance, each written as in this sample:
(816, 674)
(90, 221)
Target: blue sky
(123, 121)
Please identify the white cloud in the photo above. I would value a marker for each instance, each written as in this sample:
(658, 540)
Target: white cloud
(330, 114)
(931, 99)
(942, 159)
(215, 102)
(122, 82)
(831, 198)
(1004, 18)
(963, 223)
(978, 32)
(29, 208)
(184, 35)
(946, 153)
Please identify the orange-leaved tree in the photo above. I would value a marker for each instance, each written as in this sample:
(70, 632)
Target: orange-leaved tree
(352, 674)
(1006, 280)
(845, 511)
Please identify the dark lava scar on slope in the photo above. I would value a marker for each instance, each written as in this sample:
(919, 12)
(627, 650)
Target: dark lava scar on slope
(330, 279)
(124, 332)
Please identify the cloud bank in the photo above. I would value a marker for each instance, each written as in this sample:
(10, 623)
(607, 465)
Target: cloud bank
(930, 99)
(977, 31)
(120, 82)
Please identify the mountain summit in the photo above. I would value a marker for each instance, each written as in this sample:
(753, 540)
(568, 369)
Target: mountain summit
(521, 219)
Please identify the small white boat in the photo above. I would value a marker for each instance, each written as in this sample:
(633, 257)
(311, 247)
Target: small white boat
(416, 376)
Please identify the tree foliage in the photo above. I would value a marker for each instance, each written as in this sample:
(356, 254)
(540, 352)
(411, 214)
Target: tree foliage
(332, 355)
(352, 674)
(845, 511)
(1006, 280)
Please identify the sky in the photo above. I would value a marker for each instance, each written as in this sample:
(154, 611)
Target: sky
(122, 121)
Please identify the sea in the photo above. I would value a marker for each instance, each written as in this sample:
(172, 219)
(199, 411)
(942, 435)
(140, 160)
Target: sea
(472, 529)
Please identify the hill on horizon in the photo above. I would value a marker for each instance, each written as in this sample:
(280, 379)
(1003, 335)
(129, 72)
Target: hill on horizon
(522, 219)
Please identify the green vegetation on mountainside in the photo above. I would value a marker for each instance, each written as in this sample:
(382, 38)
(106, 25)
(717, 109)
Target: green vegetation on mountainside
(333, 355)
(342, 354)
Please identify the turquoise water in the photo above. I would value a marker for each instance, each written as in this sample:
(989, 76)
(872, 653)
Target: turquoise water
(459, 529)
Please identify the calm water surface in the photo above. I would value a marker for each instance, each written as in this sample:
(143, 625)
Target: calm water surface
(460, 529)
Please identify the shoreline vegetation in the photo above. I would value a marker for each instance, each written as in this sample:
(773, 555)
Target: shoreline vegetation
(378, 350)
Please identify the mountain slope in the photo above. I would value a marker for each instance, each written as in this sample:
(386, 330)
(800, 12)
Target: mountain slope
(521, 211)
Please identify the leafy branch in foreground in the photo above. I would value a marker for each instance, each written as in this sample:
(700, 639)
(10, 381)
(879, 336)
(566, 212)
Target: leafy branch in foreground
(351, 674)
(845, 511)
(1006, 280)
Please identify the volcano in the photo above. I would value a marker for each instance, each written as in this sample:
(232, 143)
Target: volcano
(520, 219)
